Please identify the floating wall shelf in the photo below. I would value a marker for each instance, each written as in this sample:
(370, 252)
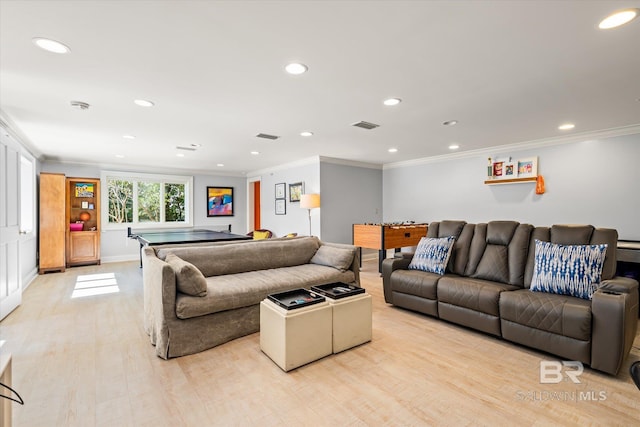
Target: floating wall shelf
(511, 180)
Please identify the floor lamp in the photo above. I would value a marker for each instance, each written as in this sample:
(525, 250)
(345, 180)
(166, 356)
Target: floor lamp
(310, 201)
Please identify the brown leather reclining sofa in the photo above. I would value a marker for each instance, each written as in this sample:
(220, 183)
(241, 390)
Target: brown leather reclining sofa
(486, 287)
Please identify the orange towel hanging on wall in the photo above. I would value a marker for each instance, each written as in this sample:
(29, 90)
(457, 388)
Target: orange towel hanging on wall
(540, 185)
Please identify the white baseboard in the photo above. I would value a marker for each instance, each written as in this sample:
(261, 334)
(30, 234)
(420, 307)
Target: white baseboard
(120, 258)
(29, 278)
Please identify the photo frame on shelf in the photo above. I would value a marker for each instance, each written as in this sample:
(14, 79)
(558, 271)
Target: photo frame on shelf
(296, 190)
(281, 206)
(509, 170)
(84, 205)
(219, 201)
(527, 168)
(280, 190)
(497, 167)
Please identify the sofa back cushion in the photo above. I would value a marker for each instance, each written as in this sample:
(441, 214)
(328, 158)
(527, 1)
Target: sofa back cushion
(575, 235)
(499, 252)
(247, 256)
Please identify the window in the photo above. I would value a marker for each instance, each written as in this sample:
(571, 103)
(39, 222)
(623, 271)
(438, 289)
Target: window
(144, 200)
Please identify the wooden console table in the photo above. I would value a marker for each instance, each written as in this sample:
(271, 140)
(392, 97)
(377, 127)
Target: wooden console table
(383, 237)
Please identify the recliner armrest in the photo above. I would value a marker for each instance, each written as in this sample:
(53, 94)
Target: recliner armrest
(619, 284)
(389, 265)
(614, 308)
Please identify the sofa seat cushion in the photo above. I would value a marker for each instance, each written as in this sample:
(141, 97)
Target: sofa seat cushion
(559, 314)
(233, 291)
(474, 294)
(415, 282)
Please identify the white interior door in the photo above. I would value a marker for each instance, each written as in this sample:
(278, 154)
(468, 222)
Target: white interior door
(10, 280)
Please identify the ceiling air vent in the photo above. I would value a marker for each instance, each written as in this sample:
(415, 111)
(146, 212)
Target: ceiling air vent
(365, 125)
(186, 148)
(267, 136)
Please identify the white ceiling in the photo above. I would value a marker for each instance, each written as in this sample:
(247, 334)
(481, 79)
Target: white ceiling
(508, 71)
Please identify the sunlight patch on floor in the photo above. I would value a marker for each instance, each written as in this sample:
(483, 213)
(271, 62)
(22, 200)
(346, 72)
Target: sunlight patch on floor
(95, 284)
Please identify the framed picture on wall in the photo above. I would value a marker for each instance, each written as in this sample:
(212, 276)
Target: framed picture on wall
(281, 207)
(280, 190)
(219, 201)
(295, 191)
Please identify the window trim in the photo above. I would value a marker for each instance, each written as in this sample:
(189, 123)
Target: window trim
(136, 176)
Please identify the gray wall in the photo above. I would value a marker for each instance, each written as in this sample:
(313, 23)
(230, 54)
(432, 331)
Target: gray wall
(114, 244)
(296, 219)
(350, 195)
(593, 181)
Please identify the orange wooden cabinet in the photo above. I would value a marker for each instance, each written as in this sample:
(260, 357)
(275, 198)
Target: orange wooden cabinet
(53, 225)
(83, 221)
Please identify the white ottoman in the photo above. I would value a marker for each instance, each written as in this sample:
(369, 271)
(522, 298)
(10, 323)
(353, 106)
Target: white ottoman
(351, 321)
(292, 338)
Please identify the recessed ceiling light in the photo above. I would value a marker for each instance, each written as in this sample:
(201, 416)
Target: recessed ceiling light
(179, 155)
(454, 147)
(392, 150)
(296, 68)
(255, 153)
(220, 165)
(196, 145)
(566, 126)
(128, 136)
(50, 45)
(450, 122)
(144, 103)
(120, 156)
(618, 18)
(392, 101)
(306, 133)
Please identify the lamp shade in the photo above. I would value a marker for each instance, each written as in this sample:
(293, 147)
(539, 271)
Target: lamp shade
(310, 201)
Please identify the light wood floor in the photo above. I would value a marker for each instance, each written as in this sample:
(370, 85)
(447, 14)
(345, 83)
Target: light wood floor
(86, 361)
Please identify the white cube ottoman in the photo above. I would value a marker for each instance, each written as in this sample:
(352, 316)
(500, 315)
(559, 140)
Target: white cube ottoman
(292, 338)
(351, 321)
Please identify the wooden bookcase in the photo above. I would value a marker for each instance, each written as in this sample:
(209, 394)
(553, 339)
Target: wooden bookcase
(83, 211)
(53, 224)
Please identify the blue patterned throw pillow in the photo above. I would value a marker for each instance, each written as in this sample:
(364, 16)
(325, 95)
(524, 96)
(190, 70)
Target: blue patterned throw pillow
(432, 254)
(567, 269)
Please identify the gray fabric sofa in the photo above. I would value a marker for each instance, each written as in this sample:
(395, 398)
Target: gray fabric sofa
(486, 287)
(238, 276)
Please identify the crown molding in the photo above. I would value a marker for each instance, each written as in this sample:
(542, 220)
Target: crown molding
(302, 162)
(14, 133)
(518, 146)
(353, 163)
(144, 169)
